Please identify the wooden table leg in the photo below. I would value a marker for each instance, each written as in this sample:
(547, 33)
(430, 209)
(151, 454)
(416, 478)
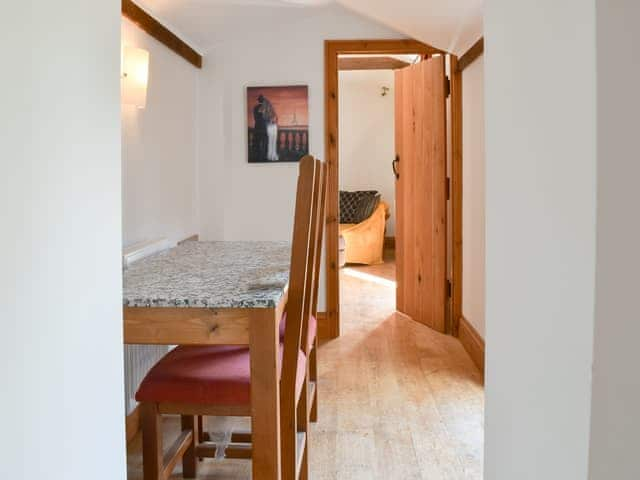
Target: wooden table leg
(265, 393)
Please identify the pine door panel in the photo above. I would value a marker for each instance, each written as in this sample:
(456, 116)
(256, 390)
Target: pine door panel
(420, 192)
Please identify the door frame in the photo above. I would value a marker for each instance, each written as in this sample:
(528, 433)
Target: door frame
(329, 323)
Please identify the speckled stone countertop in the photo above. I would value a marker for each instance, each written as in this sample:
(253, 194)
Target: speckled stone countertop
(210, 274)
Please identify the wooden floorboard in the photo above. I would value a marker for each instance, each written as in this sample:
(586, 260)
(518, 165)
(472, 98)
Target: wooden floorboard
(397, 400)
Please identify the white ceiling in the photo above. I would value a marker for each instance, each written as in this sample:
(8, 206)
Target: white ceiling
(452, 25)
(205, 23)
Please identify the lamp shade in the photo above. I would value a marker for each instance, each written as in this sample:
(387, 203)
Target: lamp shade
(135, 76)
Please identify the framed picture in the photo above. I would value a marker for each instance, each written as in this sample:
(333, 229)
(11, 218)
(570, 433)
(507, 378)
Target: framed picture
(278, 123)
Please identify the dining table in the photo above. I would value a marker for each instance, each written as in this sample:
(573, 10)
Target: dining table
(218, 293)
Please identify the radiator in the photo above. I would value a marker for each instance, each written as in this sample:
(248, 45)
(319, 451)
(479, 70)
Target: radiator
(138, 359)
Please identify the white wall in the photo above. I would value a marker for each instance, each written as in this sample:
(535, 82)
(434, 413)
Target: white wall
(616, 382)
(258, 199)
(473, 196)
(159, 147)
(367, 134)
(540, 236)
(61, 307)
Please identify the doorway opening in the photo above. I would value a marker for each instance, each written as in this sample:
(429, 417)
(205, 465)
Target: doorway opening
(388, 106)
(367, 182)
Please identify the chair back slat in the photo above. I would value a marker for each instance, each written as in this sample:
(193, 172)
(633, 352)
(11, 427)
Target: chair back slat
(322, 196)
(298, 303)
(311, 259)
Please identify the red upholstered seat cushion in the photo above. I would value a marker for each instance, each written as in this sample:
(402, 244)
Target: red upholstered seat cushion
(312, 330)
(211, 375)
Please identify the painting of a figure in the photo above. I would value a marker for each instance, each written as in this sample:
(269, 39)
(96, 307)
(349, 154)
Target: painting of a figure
(278, 123)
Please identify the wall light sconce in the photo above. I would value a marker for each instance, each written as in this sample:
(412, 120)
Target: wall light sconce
(134, 77)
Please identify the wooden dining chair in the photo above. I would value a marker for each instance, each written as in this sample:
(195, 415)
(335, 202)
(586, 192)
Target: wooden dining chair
(215, 380)
(317, 253)
(318, 223)
(307, 410)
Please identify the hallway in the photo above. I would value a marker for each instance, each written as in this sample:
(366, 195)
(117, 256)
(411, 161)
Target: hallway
(397, 400)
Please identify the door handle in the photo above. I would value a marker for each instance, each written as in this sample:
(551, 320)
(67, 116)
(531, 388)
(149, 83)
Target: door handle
(394, 164)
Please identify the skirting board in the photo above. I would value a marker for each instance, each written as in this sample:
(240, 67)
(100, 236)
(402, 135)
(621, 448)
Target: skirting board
(472, 343)
(133, 423)
(389, 243)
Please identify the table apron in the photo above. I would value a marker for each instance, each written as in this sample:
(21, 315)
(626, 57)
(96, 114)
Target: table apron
(188, 326)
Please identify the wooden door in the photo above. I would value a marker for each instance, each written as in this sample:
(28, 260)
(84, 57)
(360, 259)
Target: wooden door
(421, 192)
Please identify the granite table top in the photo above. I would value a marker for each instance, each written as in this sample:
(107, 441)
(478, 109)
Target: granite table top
(210, 274)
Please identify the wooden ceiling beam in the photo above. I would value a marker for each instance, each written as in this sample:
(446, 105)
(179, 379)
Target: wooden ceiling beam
(470, 55)
(161, 33)
(370, 63)
(382, 47)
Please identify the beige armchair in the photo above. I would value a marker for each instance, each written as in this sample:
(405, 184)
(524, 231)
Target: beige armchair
(364, 241)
